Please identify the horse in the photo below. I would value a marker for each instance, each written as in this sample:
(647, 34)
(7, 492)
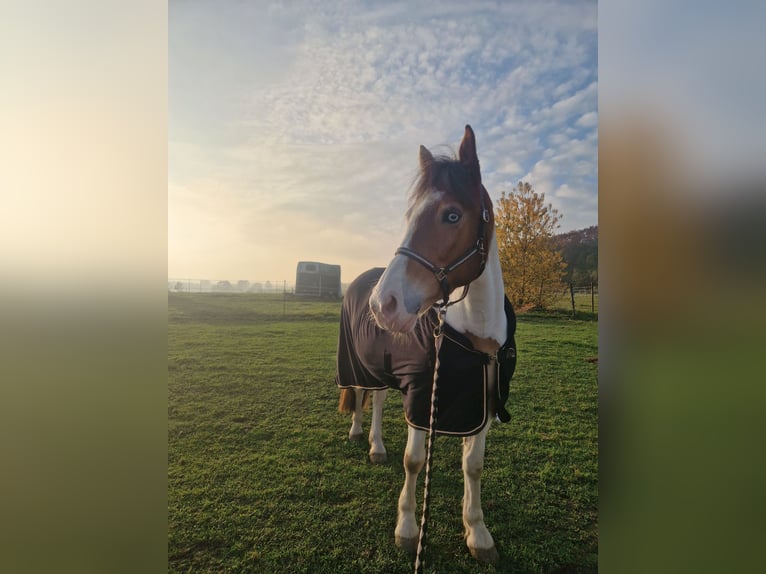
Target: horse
(387, 326)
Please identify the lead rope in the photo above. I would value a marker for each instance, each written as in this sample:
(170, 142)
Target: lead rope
(438, 335)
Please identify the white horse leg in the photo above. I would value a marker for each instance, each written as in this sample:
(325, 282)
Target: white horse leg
(377, 450)
(478, 538)
(355, 434)
(407, 528)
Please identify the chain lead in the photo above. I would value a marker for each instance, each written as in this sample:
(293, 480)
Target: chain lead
(438, 335)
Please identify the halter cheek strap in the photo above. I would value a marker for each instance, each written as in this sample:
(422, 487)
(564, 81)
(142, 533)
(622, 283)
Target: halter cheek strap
(441, 273)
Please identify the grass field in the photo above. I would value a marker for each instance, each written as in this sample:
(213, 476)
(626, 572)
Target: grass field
(261, 477)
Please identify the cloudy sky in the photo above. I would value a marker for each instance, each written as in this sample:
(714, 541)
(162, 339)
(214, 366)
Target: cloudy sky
(294, 127)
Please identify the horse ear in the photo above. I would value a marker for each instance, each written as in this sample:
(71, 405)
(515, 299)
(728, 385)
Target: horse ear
(467, 154)
(426, 159)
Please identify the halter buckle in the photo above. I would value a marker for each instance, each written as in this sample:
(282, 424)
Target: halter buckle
(441, 274)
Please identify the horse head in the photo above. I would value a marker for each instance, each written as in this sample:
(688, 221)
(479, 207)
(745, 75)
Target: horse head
(449, 223)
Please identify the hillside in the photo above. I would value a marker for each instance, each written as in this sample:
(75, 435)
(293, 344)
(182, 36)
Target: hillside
(580, 251)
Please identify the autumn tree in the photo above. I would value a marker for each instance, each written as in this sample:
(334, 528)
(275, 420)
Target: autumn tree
(532, 266)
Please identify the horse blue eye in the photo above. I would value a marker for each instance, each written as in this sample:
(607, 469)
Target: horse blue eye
(451, 217)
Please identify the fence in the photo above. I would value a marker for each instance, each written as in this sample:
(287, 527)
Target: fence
(224, 286)
(580, 297)
(582, 292)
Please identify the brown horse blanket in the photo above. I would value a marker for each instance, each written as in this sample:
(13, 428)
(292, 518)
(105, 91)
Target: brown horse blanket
(371, 358)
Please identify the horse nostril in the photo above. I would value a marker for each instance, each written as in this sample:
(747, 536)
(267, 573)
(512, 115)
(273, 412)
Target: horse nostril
(389, 307)
(412, 303)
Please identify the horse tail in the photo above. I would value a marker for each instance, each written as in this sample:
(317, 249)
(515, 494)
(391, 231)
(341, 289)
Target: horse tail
(347, 402)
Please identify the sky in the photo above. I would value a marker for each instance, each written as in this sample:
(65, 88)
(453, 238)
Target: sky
(293, 128)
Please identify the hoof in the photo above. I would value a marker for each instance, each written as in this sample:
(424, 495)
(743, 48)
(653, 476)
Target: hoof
(485, 555)
(409, 545)
(355, 437)
(377, 457)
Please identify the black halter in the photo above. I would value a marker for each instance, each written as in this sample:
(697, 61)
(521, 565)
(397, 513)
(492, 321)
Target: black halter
(441, 273)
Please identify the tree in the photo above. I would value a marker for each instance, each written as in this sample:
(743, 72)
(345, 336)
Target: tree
(532, 266)
(579, 249)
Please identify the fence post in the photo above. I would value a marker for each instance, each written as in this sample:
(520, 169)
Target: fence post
(592, 299)
(571, 293)
(284, 296)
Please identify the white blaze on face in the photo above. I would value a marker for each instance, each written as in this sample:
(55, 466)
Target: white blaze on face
(397, 298)
(417, 210)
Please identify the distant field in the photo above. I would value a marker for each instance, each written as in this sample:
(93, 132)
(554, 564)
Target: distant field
(261, 477)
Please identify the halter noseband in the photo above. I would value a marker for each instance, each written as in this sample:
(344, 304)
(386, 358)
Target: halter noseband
(441, 273)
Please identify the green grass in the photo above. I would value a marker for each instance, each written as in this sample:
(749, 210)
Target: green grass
(585, 307)
(261, 477)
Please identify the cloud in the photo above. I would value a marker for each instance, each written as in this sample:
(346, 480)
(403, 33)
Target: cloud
(566, 175)
(564, 109)
(319, 135)
(588, 120)
(566, 192)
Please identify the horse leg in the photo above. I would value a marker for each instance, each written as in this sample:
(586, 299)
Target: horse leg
(355, 434)
(478, 538)
(407, 528)
(377, 450)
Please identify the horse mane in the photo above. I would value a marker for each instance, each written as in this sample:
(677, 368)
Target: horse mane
(446, 173)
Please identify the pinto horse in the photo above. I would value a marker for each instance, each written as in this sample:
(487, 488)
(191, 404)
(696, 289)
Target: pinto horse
(387, 334)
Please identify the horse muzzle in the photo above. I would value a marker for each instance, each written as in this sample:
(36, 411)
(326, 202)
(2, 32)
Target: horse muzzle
(396, 303)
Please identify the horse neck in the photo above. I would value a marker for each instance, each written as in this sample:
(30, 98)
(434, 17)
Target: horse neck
(481, 315)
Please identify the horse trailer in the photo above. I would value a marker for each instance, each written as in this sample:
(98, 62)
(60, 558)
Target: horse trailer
(315, 279)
